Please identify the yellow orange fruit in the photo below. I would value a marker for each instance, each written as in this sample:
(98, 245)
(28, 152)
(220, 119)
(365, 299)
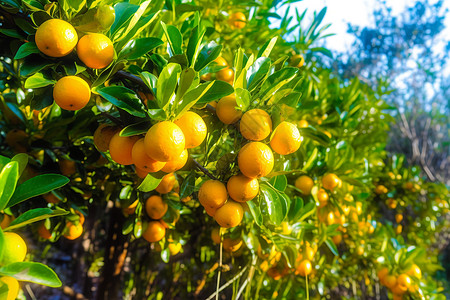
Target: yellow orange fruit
(142, 161)
(130, 209)
(95, 50)
(174, 248)
(210, 211)
(215, 235)
(212, 194)
(398, 289)
(237, 20)
(382, 273)
(44, 232)
(7, 219)
(255, 125)
(303, 124)
(121, 148)
(322, 196)
(404, 280)
(72, 231)
(226, 110)
(103, 135)
(390, 281)
(176, 164)
(330, 181)
(71, 93)
(167, 183)
(14, 250)
(13, 287)
(304, 268)
(415, 271)
(155, 232)
(155, 207)
(232, 245)
(220, 61)
(286, 138)
(398, 218)
(164, 141)
(193, 127)
(255, 160)
(305, 184)
(226, 74)
(241, 188)
(230, 214)
(56, 38)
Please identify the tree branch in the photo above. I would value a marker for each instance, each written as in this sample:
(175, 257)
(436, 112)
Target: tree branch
(204, 170)
(133, 78)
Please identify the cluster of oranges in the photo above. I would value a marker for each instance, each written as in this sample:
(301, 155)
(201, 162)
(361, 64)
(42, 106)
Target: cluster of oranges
(14, 250)
(225, 74)
(401, 283)
(58, 38)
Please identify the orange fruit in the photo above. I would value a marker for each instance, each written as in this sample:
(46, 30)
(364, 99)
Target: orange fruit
(56, 38)
(215, 235)
(232, 245)
(14, 249)
(404, 281)
(193, 127)
(226, 110)
(304, 268)
(397, 297)
(210, 211)
(297, 60)
(337, 239)
(220, 61)
(398, 218)
(399, 229)
(155, 207)
(237, 20)
(142, 161)
(226, 74)
(7, 219)
(415, 271)
(95, 50)
(241, 188)
(71, 93)
(212, 194)
(322, 196)
(398, 289)
(230, 214)
(390, 281)
(286, 138)
(381, 189)
(103, 135)
(121, 148)
(164, 141)
(72, 231)
(360, 250)
(382, 273)
(176, 164)
(67, 167)
(13, 287)
(305, 184)
(155, 232)
(255, 125)
(303, 124)
(44, 232)
(174, 248)
(50, 198)
(255, 159)
(130, 209)
(330, 181)
(141, 173)
(167, 184)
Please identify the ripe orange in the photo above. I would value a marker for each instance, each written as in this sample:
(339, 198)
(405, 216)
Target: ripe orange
(232, 245)
(381, 189)
(215, 235)
(304, 268)
(398, 229)
(121, 147)
(212, 194)
(131, 208)
(176, 164)
(226, 110)
(305, 184)
(15, 248)
(95, 50)
(237, 20)
(44, 232)
(398, 218)
(142, 161)
(322, 196)
(330, 181)
(167, 183)
(71, 93)
(164, 141)
(7, 219)
(404, 280)
(360, 250)
(13, 287)
(286, 138)
(155, 207)
(415, 271)
(56, 38)
(141, 173)
(397, 297)
(230, 214)
(174, 248)
(382, 273)
(220, 61)
(241, 188)
(255, 125)
(303, 124)
(255, 159)
(103, 135)
(297, 60)
(193, 127)
(155, 232)
(72, 231)
(210, 211)
(337, 239)
(226, 74)
(390, 281)
(398, 289)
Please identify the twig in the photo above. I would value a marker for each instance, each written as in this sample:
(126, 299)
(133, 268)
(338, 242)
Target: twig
(220, 263)
(201, 168)
(112, 118)
(228, 283)
(133, 78)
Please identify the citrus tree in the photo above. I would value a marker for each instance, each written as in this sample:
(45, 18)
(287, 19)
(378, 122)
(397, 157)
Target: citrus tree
(207, 154)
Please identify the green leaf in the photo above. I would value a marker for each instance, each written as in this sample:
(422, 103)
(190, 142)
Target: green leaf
(150, 182)
(3, 161)
(315, 135)
(167, 82)
(332, 246)
(22, 159)
(322, 50)
(132, 23)
(311, 159)
(36, 186)
(275, 81)
(271, 204)
(257, 72)
(136, 129)
(150, 80)
(188, 185)
(255, 211)
(186, 79)
(123, 98)
(279, 182)
(137, 48)
(8, 181)
(208, 53)
(38, 80)
(124, 11)
(243, 98)
(194, 43)
(2, 242)
(295, 208)
(34, 215)
(193, 96)
(25, 50)
(267, 47)
(218, 90)
(174, 38)
(32, 272)
(33, 64)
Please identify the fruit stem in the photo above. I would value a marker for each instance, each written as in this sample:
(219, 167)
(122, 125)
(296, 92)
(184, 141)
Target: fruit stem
(204, 170)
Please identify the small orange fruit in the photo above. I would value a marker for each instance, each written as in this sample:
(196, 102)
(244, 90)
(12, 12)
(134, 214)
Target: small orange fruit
(382, 273)
(303, 124)
(212, 194)
(237, 20)
(210, 211)
(415, 271)
(103, 135)
(322, 196)
(398, 218)
(404, 280)
(155, 232)
(390, 281)
(232, 245)
(304, 268)
(164, 141)
(174, 248)
(230, 214)
(286, 138)
(95, 50)
(220, 61)
(141, 173)
(14, 248)
(71, 93)
(155, 207)
(7, 219)
(337, 239)
(72, 231)
(50, 198)
(56, 38)
(330, 181)
(176, 164)
(215, 235)
(241, 188)
(305, 184)
(193, 127)
(255, 160)
(44, 232)
(255, 125)
(13, 287)
(121, 147)
(297, 60)
(226, 74)
(131, 208)
(142, 161)
(226, 110)
(167, 183)
(398, 289)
